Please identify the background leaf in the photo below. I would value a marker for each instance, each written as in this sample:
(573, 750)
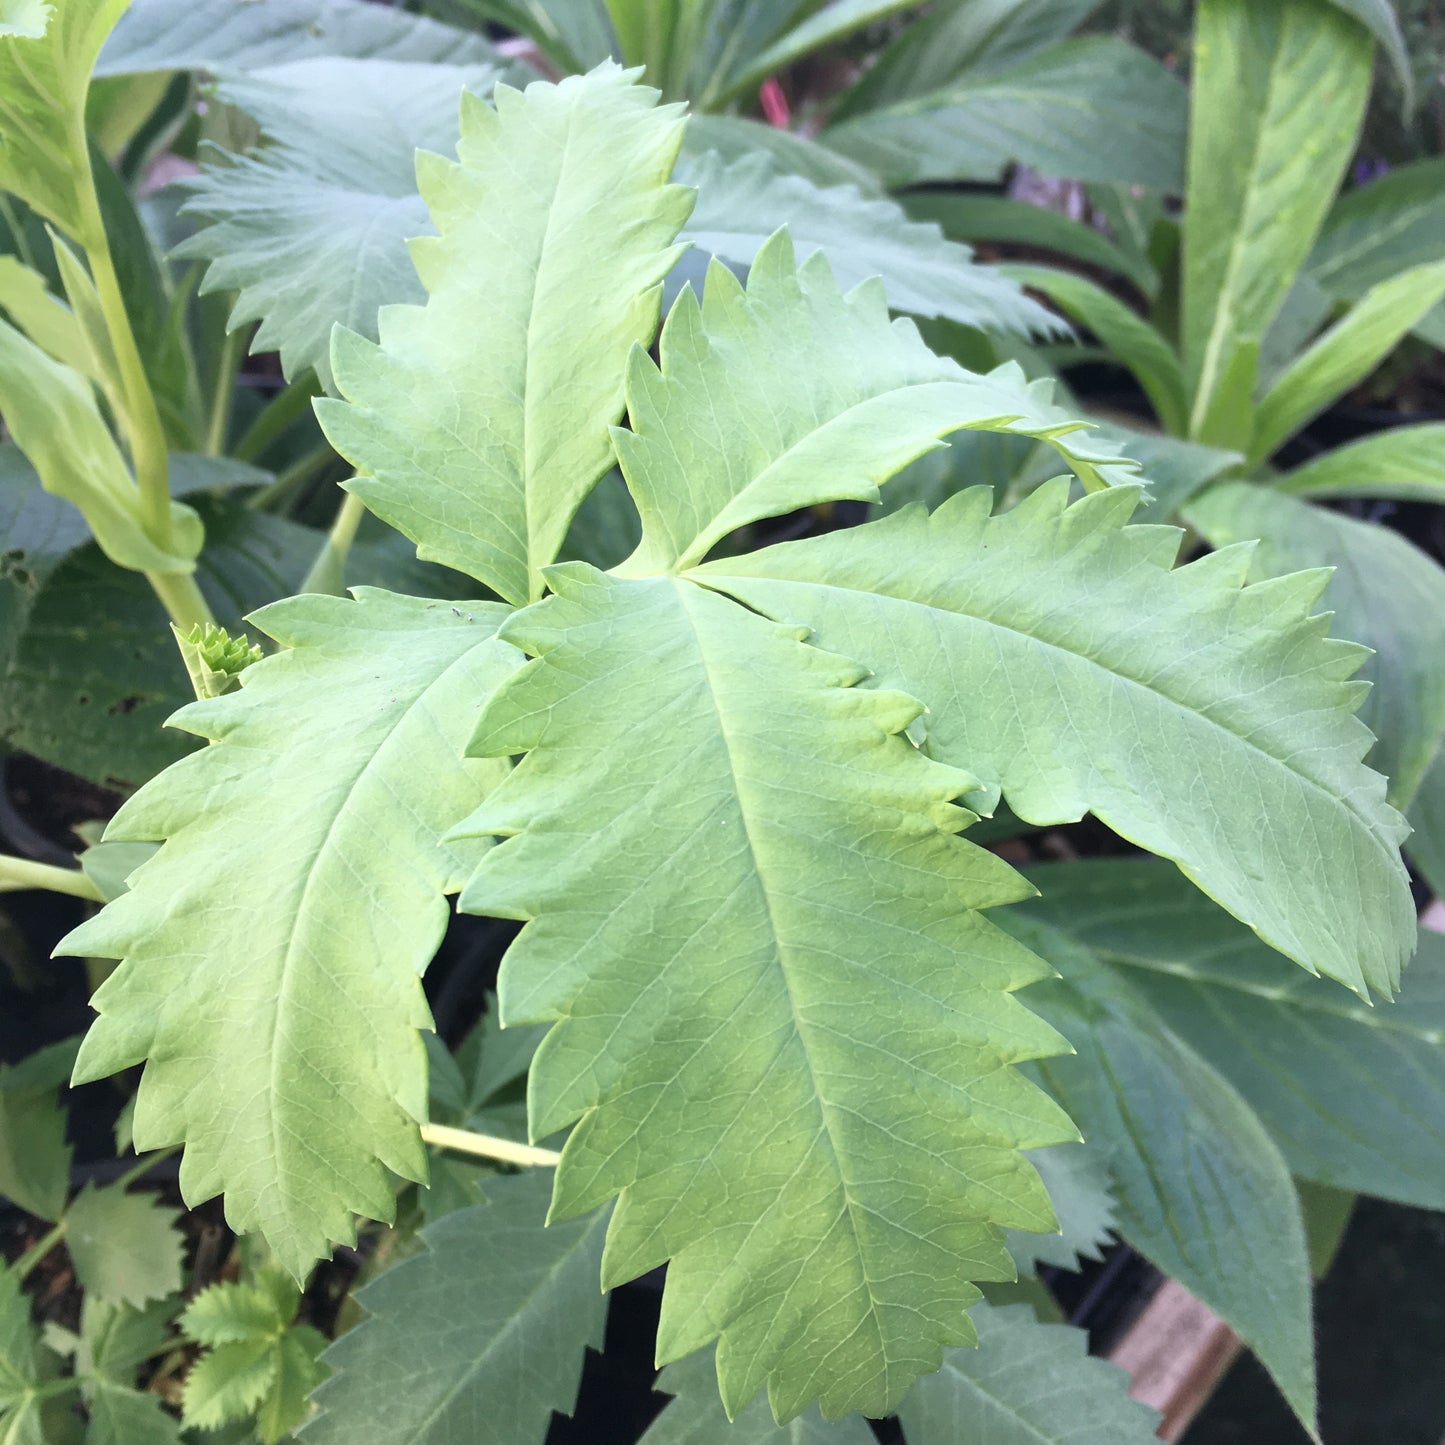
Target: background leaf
(1277, 95)
(1352, 1094)
(124, 1246)
(1201, 1187)
(34, 1155)
(311, 230)
(1384, 593)
(1092, 109)
(1026, 1384)
(743, 203)
(480, 1337)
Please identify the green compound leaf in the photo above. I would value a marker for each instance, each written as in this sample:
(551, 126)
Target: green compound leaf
(1353, 1095)
(298, 796)
(1202, 1189)
(46, 55)
(229, 1383)
(227, 1313)
(790, 393)
(124, 1246)
(1026, 1384)
(806, 1107)
(480, 1338)
(481, 420)
(1069, 663)
(740, 205)
(20, 1365)
(310, 231)
(696, 1415)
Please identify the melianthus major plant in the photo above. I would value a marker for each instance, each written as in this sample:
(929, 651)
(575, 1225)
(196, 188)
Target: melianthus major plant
(782, 1026)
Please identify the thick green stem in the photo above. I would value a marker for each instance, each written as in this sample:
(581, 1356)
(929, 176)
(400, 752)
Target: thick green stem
(181, 597)
(487, 1145)
(21, 873)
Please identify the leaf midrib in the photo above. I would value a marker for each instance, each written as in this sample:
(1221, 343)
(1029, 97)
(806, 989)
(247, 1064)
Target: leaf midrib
(799, 1030)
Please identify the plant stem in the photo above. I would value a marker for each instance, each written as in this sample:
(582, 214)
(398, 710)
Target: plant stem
(38, 1250)
(301, 470)
(143, 1166)
(181, 597)
(278, 414)
(18, 873)
(233, 348)
(143, 421)
(328, 571)
(488, 1146)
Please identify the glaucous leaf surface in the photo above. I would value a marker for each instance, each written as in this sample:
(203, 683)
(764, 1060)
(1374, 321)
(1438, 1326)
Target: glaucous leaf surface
(480, 421)
(1091, 109)
(1026, 1384)
(310, 231)
(807, 1108)
(221, 34)
(298, 794)
(1277, 95)
(479, 1338)
(1074, 668)
(1352, 1094)
(1405, 463)
(696, 1415)
(742, 204)
(1384, 592)
(790, 393)
(1202, 1189)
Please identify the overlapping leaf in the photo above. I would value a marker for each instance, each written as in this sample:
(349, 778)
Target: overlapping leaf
(743, 203)
(791, 393)
(1278, 92)
(1069, 664)
(297, 798)
(311, 230)
(480, 421)
(1405, 462)
(805, 1106)
(1026, 1384)
(1352, 1094)
(1093, 109)
(1384, 593)
(482, 1337)
(1202, 1189)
